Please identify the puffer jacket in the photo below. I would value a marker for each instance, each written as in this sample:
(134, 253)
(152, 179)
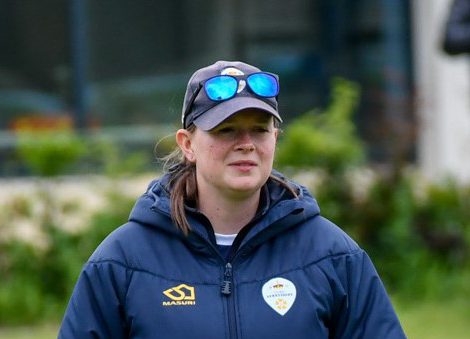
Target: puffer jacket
(293, 274)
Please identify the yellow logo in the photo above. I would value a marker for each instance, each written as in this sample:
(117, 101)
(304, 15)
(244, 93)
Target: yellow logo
(281, 304)
(181, 295)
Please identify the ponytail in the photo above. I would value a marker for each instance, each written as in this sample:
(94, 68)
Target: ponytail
(182, 186)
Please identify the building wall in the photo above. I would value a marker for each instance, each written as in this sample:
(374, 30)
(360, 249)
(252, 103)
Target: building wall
(443, 97)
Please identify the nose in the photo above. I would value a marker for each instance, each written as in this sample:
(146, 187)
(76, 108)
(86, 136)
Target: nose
(245, 142)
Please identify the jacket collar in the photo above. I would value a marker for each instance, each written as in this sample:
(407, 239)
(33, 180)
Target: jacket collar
(278, 211)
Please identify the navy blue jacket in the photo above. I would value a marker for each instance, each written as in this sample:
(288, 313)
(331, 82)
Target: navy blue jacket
(294, 275)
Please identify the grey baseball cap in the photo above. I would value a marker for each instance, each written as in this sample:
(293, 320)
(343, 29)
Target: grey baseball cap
(206, 114)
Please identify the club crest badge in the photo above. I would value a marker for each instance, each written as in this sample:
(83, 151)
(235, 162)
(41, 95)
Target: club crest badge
(279, 294)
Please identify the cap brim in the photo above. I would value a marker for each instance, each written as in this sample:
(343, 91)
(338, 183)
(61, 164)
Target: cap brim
(226, 109)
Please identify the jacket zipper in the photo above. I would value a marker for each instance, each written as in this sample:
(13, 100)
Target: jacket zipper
(228, 280)
(226, 289)
(227, 292)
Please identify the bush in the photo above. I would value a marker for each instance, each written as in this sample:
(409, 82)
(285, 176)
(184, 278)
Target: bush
(108, 158)
(418, 242)
(49, 153)
(54, 153)
(37, 282)
(326, 140)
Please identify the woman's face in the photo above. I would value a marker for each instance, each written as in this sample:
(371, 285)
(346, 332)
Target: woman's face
(235, 158)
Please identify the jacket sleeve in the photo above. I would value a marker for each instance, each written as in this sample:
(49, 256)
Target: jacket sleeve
(364, 309)
(96, 308)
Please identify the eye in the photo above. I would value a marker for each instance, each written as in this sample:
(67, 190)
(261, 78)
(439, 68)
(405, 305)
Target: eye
(224, 130)
(261, 129)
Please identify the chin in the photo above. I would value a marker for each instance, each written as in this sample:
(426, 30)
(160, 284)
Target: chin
(247, 185)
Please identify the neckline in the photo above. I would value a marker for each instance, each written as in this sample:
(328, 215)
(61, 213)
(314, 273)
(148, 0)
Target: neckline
(225, 239)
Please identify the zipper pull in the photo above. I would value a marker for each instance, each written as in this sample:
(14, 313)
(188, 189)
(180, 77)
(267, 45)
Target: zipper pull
(226, 287)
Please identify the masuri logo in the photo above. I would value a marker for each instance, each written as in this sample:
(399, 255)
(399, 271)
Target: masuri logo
(181, 295)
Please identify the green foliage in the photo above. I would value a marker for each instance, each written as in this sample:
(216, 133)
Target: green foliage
(50, 153)
(418, 242)
(19, 284)
(324, 139)
(37, 282)
(443, 220)
(108, 158)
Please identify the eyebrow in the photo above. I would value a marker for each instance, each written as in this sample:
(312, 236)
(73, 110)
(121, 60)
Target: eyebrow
(262, 122)
(262, 118)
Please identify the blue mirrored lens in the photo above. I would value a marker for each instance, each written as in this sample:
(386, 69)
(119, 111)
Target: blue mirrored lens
(221, 87)
(263, 84)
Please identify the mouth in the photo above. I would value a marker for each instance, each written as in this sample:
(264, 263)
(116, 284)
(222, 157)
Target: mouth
(243, 165)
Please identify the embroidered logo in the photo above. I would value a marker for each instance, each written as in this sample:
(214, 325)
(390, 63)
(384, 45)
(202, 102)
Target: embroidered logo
(235, 72)
(231, 71)
(181, 295)
(279, 294)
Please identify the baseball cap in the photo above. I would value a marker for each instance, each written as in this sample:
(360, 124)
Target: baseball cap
(205, 113)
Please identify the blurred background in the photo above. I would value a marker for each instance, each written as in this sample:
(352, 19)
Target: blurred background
(376, 104)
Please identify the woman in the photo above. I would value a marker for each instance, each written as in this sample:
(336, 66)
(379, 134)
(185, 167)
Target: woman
(224, 247)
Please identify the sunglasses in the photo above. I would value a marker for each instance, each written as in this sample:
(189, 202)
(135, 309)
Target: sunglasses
(224, 87)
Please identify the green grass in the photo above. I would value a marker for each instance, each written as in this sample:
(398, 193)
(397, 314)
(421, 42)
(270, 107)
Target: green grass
(47, 331)
(435, 320)
(426, 320)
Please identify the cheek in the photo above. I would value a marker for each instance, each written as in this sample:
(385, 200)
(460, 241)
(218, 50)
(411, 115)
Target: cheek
(268, 150)
(214, 152)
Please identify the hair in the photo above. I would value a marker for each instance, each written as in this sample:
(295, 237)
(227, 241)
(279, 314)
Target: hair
(182, 185)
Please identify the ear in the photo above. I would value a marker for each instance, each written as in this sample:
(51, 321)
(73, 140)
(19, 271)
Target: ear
(184, 141)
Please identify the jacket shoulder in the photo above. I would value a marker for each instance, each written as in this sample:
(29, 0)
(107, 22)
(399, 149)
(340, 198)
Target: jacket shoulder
(325, 239)
(117, 246)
